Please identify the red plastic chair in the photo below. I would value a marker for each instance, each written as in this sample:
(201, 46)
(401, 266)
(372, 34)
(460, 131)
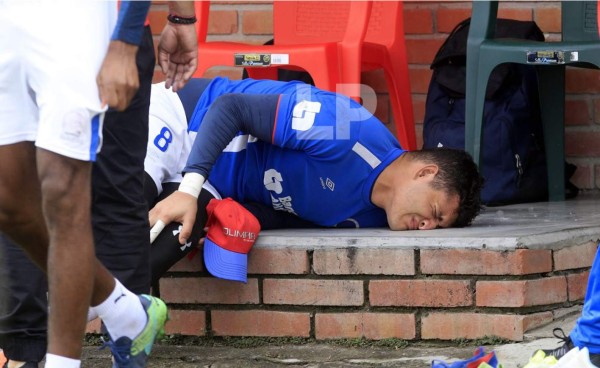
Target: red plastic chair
(326, 39)
(319, 37)
(385, 48)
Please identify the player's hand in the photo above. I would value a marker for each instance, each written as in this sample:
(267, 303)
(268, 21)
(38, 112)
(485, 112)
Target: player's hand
(178, 54)
(118, 79)
(178, 207)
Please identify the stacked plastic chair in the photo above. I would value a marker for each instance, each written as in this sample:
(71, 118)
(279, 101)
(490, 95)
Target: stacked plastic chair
(334, 41)
(580, 46)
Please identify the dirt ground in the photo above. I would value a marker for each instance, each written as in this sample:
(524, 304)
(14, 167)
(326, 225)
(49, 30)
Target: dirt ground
(288, 355)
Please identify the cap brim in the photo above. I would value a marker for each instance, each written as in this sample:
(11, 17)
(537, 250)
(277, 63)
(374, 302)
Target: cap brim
(225, 264)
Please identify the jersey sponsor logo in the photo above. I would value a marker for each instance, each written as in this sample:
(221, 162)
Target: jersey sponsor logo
(272, 181)
(283, 204)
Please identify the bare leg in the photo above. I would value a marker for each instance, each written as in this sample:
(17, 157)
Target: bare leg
(66, 186)
(20, 200)
(74, 272)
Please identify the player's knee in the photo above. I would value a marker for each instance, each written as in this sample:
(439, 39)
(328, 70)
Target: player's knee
(65, 189)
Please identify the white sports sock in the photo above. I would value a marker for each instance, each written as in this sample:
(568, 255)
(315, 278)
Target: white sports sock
(15, 364)
(57, 361)
(122, 313)
(92, 314)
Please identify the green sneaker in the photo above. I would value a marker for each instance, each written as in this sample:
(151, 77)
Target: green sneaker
(134, 353)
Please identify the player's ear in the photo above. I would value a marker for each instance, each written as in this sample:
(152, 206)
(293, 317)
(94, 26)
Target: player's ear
(426, 172)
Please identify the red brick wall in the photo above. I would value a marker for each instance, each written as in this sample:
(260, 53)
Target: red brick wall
(377, 293)
(427, 23)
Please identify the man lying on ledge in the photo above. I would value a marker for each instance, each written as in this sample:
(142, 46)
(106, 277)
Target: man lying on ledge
(313, 154)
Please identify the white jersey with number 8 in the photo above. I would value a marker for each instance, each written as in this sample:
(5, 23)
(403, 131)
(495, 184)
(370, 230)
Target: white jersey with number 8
(168, 141)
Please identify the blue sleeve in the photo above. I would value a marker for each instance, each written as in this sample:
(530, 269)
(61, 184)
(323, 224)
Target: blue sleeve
(228, 115)
(130, 24)
(190, 94)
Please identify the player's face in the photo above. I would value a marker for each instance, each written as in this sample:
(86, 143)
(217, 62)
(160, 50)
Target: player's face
(420, 207)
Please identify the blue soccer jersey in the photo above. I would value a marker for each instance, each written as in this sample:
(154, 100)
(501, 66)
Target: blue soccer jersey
(325, 154)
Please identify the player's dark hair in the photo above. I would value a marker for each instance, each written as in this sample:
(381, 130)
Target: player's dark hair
(457, 174)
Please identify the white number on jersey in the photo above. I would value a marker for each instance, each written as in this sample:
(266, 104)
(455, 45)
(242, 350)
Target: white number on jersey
(272, 181)
(304, 114)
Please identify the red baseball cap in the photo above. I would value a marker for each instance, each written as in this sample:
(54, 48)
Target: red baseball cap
(232, 231)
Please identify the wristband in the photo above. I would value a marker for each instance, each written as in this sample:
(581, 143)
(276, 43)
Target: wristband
(176, 19)
(191, 184)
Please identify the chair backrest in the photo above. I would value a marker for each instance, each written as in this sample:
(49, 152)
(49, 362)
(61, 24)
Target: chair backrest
(579, 21)
(202, 9)
(483, 21)
(312, 22)
(386, 24)
(306, 22)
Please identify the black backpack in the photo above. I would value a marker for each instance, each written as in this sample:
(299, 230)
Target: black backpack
(513, 160)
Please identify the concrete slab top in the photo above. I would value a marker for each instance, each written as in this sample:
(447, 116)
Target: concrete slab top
(547, 225)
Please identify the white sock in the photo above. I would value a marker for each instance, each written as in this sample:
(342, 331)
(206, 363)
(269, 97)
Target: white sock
(92, 314)
(57, 361)
(122, 313)
(15, 364)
